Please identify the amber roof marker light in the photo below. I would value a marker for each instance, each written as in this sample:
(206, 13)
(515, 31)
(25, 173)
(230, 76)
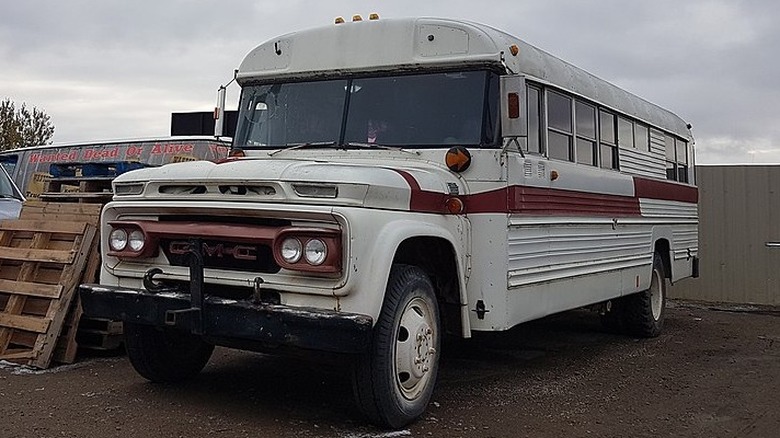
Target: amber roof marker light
(458, 159)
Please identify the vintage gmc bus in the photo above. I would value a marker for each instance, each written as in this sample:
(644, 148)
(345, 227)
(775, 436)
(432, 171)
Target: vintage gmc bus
(402, 179)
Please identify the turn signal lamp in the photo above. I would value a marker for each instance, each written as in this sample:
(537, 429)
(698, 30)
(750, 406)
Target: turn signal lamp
(514, 50)
(454, 205)
(458, 159)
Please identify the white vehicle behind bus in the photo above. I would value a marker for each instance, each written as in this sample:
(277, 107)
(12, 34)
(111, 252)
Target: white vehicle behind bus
(404, 179)
(11, 198)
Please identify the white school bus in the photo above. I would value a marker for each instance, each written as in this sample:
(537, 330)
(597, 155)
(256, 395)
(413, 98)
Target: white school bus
(403, 179)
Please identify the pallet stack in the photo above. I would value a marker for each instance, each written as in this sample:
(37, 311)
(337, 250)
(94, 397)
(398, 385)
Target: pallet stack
(86, 184)
(68, 342)
(41, 264)
(44, 256)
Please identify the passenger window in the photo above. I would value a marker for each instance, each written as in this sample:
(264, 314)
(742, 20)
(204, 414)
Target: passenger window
(641, 137)
(671, 171)
(585, 116)
(609, 151)
(534, 120)
(625, 133)
(682, 160)
(559, 122)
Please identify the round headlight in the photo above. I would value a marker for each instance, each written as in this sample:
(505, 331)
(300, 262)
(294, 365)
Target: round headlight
(316, 252)
(136, 240)
(291, 250)
(117, 240)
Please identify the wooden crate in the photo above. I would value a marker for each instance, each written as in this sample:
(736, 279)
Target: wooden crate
(41, 264)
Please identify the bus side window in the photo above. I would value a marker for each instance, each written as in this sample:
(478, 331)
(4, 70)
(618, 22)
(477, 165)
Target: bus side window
(641, 137)
(534, 119)
(682, 159)
(671, 171)
(625, 133)
(559, 126)
(609, 150)
(585, 117)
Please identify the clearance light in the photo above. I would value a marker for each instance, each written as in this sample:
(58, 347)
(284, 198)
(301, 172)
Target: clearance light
(454, 205)
(339, 20)
(357, 17)
(373, 16)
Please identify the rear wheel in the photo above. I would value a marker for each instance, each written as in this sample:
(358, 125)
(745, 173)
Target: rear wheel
(165, 355)
(643, 313)
(394, 380)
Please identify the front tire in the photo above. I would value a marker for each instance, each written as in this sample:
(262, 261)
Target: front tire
(394, 380)
(165, 355)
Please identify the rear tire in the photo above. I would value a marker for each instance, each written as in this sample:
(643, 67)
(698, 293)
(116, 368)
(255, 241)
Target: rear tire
(393, 381)
(643, 313)
(165, 355)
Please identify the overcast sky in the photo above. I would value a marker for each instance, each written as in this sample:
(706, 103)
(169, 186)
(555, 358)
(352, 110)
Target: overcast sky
(110, 69)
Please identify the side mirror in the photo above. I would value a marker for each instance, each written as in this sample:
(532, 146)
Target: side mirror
(514, 107)
(219, 112)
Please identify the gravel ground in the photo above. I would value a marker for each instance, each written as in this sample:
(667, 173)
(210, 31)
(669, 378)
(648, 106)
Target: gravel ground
(714, 372)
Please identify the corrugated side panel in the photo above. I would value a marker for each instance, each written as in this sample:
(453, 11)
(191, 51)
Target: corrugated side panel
(549, 249)
(668, 209)
(681, 217)
(642, 163)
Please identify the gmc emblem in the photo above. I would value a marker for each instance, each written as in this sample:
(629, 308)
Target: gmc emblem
(219, 250)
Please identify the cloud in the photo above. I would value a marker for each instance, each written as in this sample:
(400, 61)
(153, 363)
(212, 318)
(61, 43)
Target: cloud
(118, 69)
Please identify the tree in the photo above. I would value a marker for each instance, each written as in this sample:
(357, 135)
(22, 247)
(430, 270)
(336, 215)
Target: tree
(23, 127)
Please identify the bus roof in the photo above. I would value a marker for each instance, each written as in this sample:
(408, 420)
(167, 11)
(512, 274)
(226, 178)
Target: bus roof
(410, 44)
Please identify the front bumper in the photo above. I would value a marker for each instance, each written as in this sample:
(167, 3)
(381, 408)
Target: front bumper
(233, 322)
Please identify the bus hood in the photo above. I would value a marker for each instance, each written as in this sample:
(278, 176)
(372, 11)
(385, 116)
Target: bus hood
(400, 185)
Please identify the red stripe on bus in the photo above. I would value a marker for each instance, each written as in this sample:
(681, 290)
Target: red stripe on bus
(423, 201)
(550, 201)
(665, 190)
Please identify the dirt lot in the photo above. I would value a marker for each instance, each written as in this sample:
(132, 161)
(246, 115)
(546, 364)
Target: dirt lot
(713, 373)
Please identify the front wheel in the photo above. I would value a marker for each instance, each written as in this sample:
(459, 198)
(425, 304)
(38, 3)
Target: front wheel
(394, 380)
(165, 355)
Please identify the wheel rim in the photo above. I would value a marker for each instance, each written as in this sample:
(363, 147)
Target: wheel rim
(415, 352)
(656, 295)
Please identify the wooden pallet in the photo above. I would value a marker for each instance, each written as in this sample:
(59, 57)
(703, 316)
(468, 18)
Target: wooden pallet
(100, 334)
(67, 345)
(81, 182)
(41, 264)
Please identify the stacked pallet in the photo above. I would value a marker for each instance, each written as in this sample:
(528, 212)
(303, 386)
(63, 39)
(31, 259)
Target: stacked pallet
(82, 182)
(86, 184)
(41, 264)
(69, 341)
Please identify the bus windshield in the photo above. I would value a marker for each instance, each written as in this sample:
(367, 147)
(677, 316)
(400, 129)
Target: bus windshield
(422, 110)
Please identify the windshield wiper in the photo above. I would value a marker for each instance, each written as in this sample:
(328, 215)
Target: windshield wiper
(356, 144)
(310, 144)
